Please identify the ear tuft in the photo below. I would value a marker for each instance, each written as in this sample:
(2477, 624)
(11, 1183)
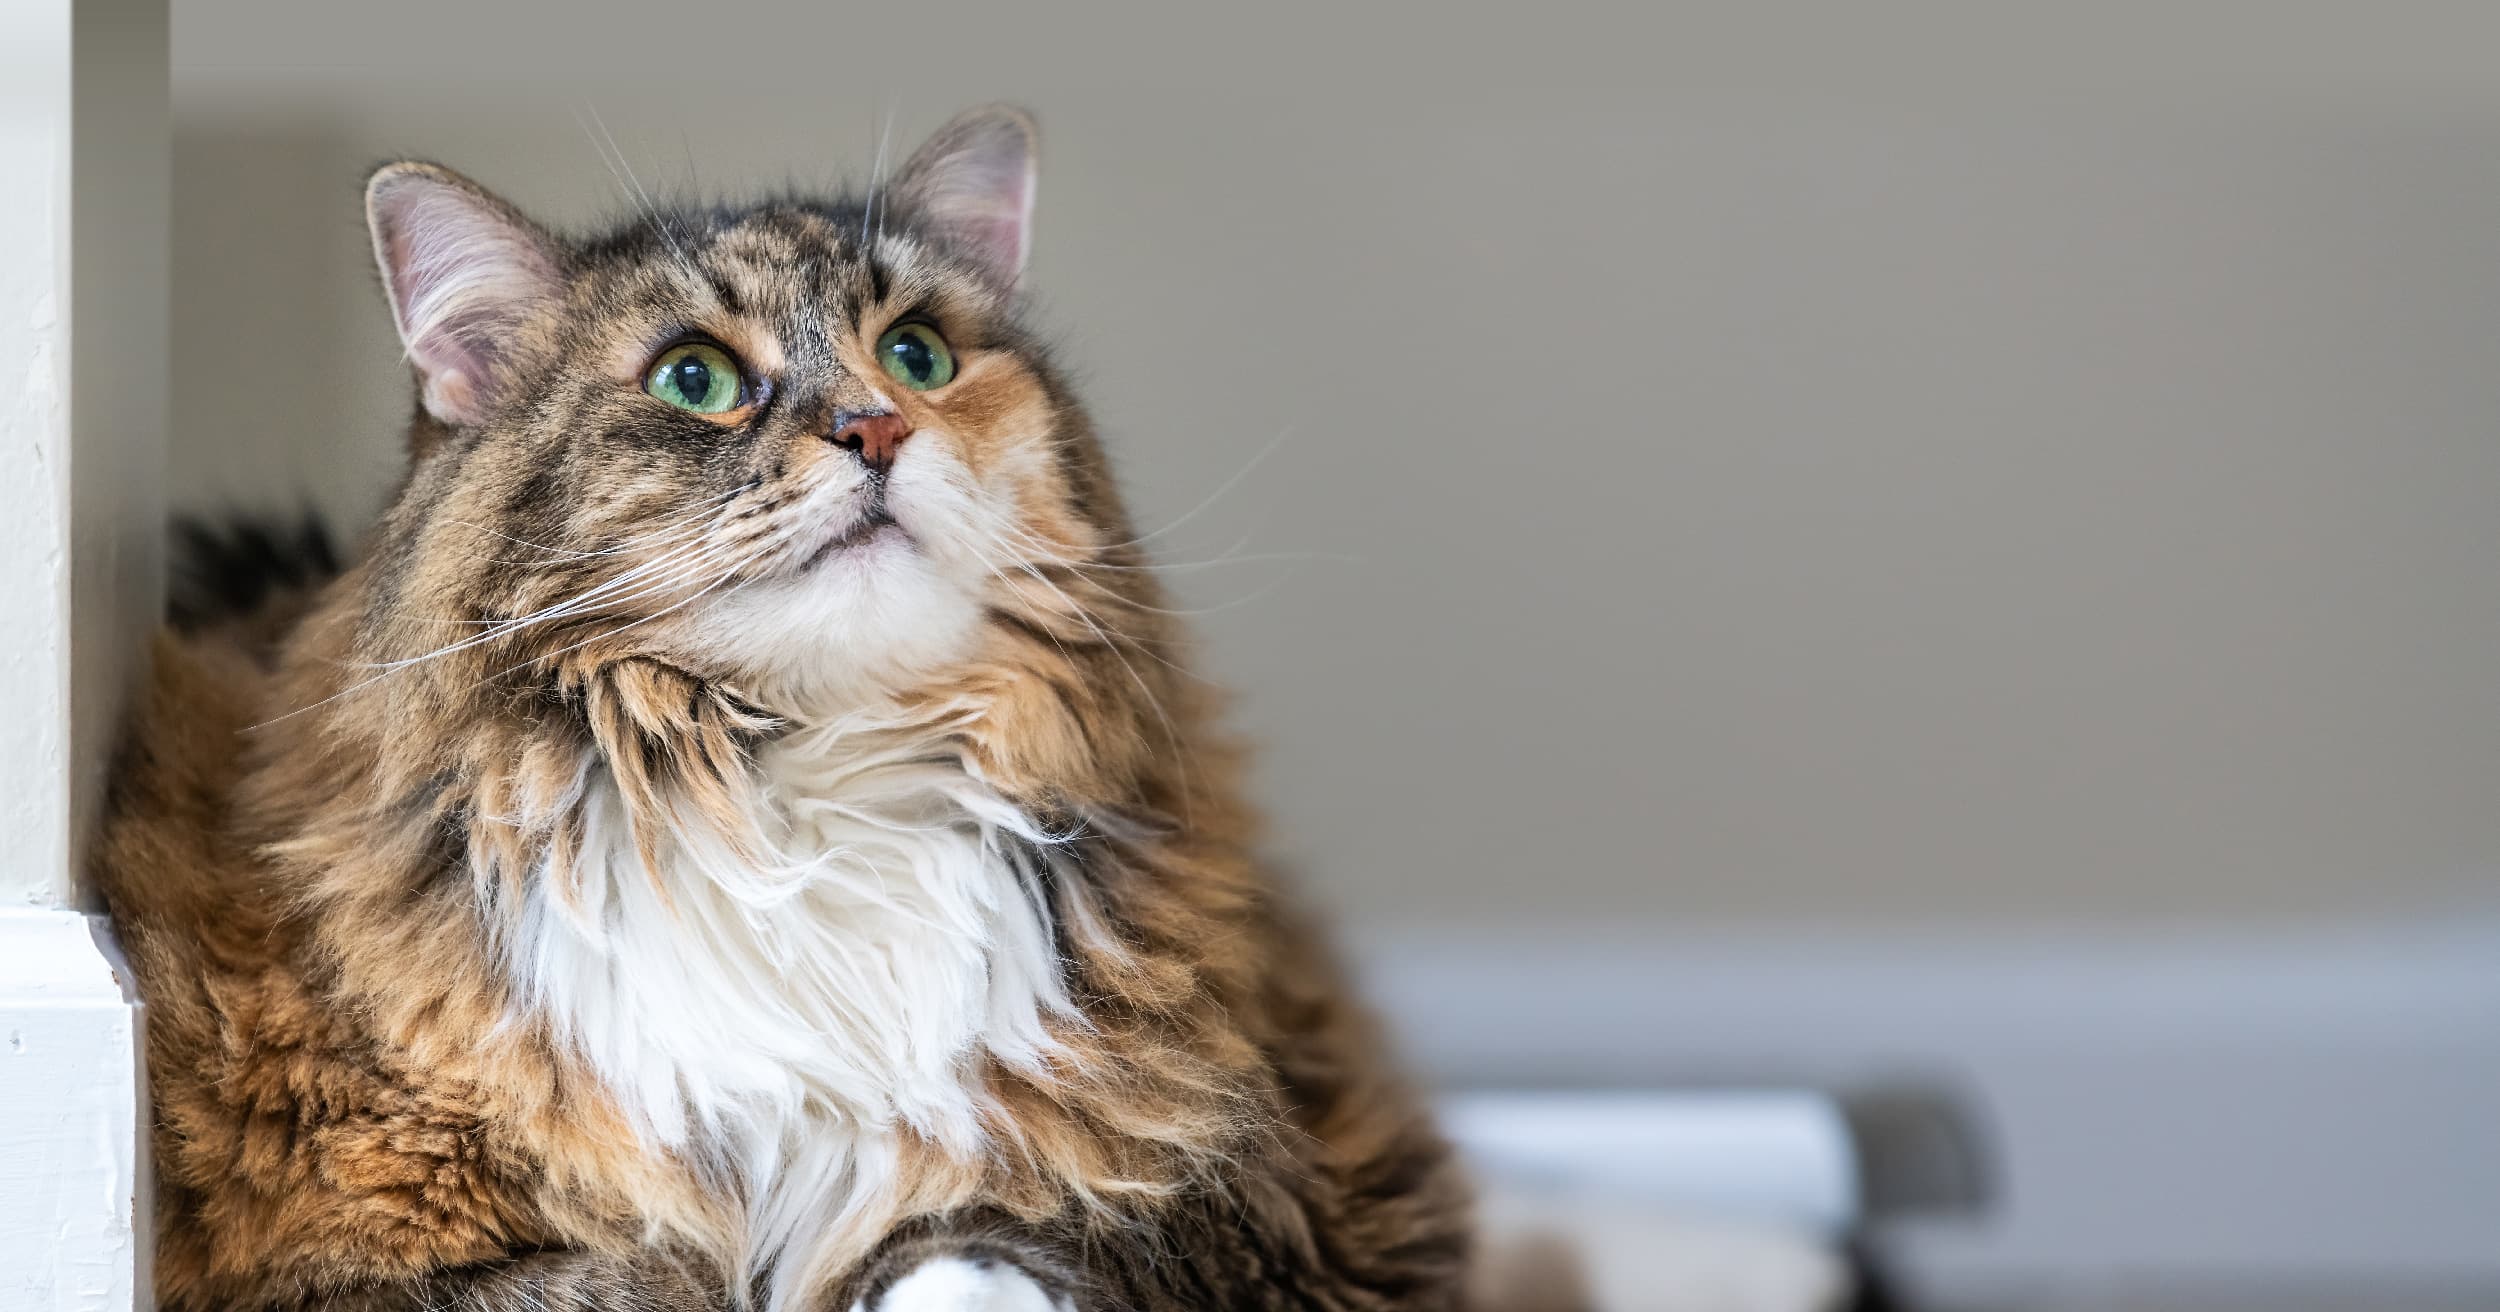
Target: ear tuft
(971, 186)
(465, 273)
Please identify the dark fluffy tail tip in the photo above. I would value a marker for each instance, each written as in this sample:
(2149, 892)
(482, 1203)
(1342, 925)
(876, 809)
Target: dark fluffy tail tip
(233, 567)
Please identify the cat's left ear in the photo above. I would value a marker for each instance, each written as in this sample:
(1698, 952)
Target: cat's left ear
(466, 273)
(971, 186)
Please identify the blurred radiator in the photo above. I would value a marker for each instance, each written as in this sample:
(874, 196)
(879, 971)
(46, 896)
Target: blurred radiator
(1670, 1201)
(1777, 1158)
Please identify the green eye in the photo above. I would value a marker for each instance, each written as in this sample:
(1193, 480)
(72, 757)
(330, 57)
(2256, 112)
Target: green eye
(695, 377)
(915, 356)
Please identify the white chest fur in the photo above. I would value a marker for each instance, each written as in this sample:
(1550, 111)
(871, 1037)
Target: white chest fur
(781, 1022)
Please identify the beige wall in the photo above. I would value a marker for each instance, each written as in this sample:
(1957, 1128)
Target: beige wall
(1762, 472)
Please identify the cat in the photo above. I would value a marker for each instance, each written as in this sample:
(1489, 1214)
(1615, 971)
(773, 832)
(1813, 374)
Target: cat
(740, 833)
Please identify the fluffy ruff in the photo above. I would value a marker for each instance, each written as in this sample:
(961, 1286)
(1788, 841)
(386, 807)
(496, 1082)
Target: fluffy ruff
(781, 1004)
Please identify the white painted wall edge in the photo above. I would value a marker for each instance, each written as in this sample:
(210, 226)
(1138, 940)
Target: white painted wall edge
(82, 322)
(36, 312)
(2298, 1106)
(73, 1190)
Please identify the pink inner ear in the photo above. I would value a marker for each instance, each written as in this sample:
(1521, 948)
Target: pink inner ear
(973, 185)
(463, 276)
(999, 241)
(983, 209)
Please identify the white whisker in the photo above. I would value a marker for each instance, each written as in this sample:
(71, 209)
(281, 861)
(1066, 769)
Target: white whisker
(670, 570)
(771, 543)
(1212, 497)
(1044, 554)
(667, 527)
(624, 173)
(876, 174)
(636, 580)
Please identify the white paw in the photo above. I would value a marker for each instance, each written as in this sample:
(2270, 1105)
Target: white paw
(954, 1284)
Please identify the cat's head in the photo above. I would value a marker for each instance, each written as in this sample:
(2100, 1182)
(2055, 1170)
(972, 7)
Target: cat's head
(802, 446)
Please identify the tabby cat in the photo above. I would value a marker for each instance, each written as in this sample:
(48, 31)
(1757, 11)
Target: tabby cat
(739, 834)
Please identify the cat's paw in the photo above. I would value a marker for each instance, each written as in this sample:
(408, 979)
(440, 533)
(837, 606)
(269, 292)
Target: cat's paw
(958, 1284)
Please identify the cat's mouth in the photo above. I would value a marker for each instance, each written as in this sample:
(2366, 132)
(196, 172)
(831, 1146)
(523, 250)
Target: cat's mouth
(876, 523)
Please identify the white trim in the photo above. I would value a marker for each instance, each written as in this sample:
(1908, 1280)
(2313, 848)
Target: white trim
(34, 453)
(83, 123)
(2310, 1106)
(73, 1194)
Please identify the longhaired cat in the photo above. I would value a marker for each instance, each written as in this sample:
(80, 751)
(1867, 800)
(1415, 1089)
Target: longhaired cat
(738, 834)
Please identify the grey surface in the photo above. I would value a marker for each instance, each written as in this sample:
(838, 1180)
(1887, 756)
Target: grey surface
(1942, 469)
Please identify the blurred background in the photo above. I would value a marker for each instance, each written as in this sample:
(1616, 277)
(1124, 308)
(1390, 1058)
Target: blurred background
(1937, 555)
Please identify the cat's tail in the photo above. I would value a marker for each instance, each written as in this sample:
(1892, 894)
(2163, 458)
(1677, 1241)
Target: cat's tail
(249, 574)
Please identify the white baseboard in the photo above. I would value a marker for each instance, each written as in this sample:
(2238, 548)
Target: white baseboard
(2300, 1106)
(73, 1169)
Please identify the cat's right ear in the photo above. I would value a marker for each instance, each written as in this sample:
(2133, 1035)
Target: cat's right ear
(465, 273)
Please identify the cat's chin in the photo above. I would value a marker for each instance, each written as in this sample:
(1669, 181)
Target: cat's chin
(871, 616)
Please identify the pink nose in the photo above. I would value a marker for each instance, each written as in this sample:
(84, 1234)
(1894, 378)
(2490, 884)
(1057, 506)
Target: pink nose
(873, 438)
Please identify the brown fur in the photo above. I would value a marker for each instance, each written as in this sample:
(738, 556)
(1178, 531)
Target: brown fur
(309, 861)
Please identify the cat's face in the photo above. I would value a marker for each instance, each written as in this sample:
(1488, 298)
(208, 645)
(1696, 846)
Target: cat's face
(798, 447)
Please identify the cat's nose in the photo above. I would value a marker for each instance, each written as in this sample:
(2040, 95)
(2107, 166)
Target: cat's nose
(874, 438)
